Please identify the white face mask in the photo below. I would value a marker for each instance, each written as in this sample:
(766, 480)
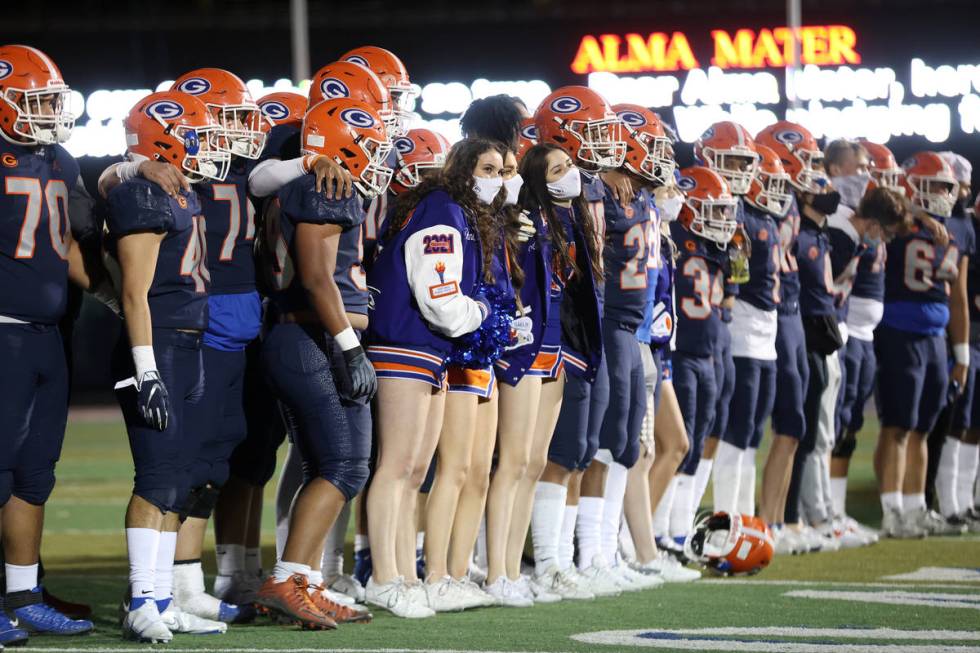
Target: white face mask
(669, 207)
(487, 188)
(568, 187)
(851, 188)
(513, 186)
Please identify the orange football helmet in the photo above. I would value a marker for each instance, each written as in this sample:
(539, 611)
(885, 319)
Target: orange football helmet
(526, 138)
(346, 79)
(418, 150)
(352, 134)
(282, 108)
(390, 69)
(930, 184)
(798, 150)
(768, 188)
(731, 544)
(34, 106)
(648, 149)
(709, 208)
(581, 122)
(177, 128)
(727, 148)
(883, 167)
(231, 104)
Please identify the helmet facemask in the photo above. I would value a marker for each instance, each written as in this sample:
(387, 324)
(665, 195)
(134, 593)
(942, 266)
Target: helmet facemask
(34, 124)
(774, 197)
(890, 179)
(403, 95)
(373, 180)
(241, 132)
(600, 141)
(936, 195)
(811, 178)
(736, 165)
(410, 175)
(204, 159)
(714, 219)
(658, 165)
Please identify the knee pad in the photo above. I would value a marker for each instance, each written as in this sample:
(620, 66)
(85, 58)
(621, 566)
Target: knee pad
(348, 476)
(201, 501)
(33, 486)
(845, 446)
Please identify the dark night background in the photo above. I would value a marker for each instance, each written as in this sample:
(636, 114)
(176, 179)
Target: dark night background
(136, 44)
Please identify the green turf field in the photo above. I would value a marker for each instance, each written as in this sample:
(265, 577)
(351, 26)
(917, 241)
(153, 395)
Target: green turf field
(836, 602)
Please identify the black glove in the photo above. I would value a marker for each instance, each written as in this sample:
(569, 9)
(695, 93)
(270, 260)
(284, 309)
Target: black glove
(363, 381)
(153, 400)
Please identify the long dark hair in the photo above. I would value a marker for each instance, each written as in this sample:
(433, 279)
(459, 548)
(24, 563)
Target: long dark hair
(496, 117)
(535, 195)
(456, 178)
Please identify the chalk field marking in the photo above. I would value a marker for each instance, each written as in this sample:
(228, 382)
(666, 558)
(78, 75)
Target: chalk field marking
(823, 583)
(943, 574)
(758, 639)
(145, 649)
(968, 601)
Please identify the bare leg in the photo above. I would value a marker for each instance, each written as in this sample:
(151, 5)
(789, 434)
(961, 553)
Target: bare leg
(671, 443)
(190, 538)
(916, 462)
(314, 512)
(639, 514)
(776, 477)
(22, 526)
(890, 455)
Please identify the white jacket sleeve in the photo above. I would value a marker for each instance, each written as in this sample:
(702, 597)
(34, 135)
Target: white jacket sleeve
(434, 263)
(272, 174)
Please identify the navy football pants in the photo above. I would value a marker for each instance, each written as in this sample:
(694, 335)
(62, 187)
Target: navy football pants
(792, 377)
(576, 437)
(752, 402)
(623, 419)
(697, 394)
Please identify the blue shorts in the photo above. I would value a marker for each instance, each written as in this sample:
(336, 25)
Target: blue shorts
(163, 460)
(619, 431)
(254, 459)
(912, 378)
(792, 376)
(697, 395)
(301, 364)
(860, 367)
(34, 410)
(220, 416)
(405, 363)
(576, 437)
(725, 381)
(965, 412)
(755, 394)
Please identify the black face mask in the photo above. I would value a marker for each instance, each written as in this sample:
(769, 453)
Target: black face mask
(826, 203)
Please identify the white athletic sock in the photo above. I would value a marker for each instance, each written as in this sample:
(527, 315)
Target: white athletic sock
(682, 512)
(163, 583)
(727, 476)
(230, 558)
(661, 515)
(315, 579)
(480, 550)
(588, 530)
(420, 541)
(838, 490)
(612, 510)
(701, 476)
(361, 542)
(566, 545)
(547, 512)
(946, 477)
(891, 501)
(253, 561)
(332, 562)
(968, 462)
(746, 484)
(283, 570)
(915, 501)
(20, 577)
(142, 545)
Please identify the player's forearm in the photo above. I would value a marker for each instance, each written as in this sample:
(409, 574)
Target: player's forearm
(272, 174)
(78, 272)
(139, 324)
(328, 304)
(959, 318)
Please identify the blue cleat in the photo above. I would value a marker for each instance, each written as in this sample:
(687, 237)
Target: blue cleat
(236, 614)
(10, 634)
(363, 566)
(35, 616)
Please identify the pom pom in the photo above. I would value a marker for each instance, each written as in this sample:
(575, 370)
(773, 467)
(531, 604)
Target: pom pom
(481, 348)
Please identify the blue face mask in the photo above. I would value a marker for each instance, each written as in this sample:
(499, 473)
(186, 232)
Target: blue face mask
(869, 242)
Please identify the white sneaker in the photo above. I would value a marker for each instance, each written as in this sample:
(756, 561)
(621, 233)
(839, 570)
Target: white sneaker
(669, 569)
(869, 535)
(829, 537)
(337, 597)
(189, 594)
(811, 539)
(563, 583)
(537, 593)
(240, 589)
(477, 574)
(601, 580)
(480, 599)
(935, 524)
(901, 525)
(789, 542)
(849, 538)
(573, 578)
(507, 593)
(637, 581)
(446, 595)
(178, 621)
(347, 585)
(394, 597)
(145, 625)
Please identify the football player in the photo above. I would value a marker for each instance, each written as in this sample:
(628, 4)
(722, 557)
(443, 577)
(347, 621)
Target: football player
(38, 257)
(158, 242)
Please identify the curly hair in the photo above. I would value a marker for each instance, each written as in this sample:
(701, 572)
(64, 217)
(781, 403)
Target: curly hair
(456, 179)
(497, 118)
(535, 195)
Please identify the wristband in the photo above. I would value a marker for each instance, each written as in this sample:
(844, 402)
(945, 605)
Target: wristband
(961, 354)
(347, 339)
(128, 170)
(309, 161)
(144, 360)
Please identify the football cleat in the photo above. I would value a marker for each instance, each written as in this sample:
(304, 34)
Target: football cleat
(178, 621)
(869, 535)
(290, 601)
(347, 585)
(635, 581)
(189, 594)
(394, 596)
(830, 541)
(342, 614)
(600, 579)
(145, 624)
(362, 566)
(10, 634)
(67, 608)
(899, 525)
(669, 569)
(508, 593)
(972, 517)
(32, 615)
(935, 524)
(788, 541)
(567, 584)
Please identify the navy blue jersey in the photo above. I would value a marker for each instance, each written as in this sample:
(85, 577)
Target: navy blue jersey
(869, 282)
(377, 211)
(594, 192)
(34, 231)
(973, 290)
(349, 271)
(815, 270)
(698, 292)
(299, 202)
(282, 142)
(762, 288)
(625, 258)
(230, 219)
(178, 296)
(789, 276)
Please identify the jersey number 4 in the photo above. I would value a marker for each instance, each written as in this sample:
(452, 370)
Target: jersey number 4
(193, 263)
(56, 198)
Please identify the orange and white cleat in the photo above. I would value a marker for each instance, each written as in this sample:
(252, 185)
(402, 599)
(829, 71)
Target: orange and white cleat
(291, 602)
